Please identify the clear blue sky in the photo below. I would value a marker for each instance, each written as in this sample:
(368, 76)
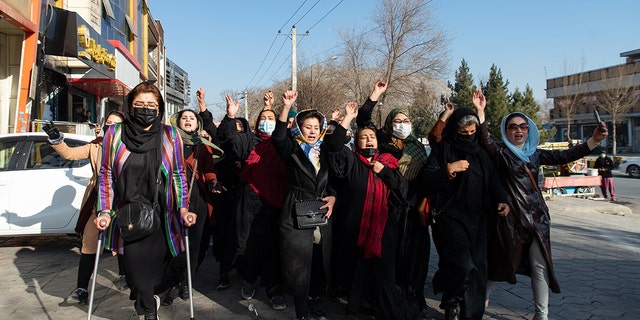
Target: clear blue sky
(222, 44)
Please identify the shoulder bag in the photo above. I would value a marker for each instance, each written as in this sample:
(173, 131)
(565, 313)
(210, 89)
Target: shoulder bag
(309, 215)
(137, 220)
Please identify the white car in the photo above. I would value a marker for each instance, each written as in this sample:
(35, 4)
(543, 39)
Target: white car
(630, 166)
(40, 192)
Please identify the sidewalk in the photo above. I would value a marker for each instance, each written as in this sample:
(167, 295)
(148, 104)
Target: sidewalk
(595, 276)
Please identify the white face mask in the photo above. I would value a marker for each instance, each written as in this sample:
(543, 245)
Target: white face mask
(401, 130)
(266, 126)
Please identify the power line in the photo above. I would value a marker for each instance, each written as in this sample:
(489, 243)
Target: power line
(272, 43)
(305, 14)
(334, 7)
(263, 59)
(284, 41)
(300, 7)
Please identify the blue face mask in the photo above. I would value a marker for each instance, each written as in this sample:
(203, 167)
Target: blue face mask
(266, 126)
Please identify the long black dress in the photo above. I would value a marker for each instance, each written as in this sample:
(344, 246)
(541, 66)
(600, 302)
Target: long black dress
(372, 282)
(460, 229)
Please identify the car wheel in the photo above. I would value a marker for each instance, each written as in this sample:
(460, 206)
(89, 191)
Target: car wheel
(634, 171)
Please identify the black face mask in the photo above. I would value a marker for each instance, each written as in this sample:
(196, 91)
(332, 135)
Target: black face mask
(144, 117)
(465, 139)
(368, 152)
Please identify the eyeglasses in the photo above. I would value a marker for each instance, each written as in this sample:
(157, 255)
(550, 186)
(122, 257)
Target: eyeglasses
(405, 121)
(523, 126)
(148, 105)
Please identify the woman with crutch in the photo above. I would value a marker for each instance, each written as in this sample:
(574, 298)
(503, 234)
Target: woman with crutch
(143, 165)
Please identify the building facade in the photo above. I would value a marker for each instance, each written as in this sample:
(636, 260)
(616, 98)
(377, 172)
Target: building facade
(613, 91)
(178, 88)
(19, 25)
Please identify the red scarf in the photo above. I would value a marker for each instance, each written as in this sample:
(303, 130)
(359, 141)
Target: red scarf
(376, 208)
(265, 173)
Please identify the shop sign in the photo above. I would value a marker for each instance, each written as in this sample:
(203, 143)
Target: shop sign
(94, 51)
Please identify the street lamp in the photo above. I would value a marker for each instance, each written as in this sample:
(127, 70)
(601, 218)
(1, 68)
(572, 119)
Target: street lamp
(312, 85)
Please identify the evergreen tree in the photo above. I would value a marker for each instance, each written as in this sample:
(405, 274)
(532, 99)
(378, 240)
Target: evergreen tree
(497, 95)
(462, 90)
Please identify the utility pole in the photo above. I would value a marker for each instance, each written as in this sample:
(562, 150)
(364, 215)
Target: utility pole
(246, 105)
(294, 67)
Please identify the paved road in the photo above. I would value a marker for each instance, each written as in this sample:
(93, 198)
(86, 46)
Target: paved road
(596, 249)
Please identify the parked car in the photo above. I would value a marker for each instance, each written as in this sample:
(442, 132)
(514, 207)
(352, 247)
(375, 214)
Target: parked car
(40, 192)
(630, 166)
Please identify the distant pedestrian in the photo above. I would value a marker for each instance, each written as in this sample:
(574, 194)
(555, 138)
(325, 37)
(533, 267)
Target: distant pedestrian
(604, 165)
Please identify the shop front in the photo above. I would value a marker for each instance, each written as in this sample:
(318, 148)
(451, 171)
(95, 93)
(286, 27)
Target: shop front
(79, 82)
(18, 45)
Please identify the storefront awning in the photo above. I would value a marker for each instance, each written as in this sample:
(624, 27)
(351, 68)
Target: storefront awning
(101, 87)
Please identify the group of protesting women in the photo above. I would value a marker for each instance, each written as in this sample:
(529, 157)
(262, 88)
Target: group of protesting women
(243, 185)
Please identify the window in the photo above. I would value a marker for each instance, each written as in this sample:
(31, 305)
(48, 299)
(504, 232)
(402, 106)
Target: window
(43, 156)
(6, 151)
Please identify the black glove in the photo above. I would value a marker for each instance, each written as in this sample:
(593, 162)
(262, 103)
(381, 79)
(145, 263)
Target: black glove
(51, 130)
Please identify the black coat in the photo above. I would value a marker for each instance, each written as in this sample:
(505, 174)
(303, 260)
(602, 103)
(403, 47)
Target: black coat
(368, 279)
(461, 207)
(529, 218)
(304, 184)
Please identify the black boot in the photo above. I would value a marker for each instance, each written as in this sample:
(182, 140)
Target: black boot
(451, 314)
(172, 294)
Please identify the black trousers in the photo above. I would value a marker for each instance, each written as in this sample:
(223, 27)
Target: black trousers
(145, 261)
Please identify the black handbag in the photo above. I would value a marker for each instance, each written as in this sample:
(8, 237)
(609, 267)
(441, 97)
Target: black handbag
(309, 215)
(137, 220)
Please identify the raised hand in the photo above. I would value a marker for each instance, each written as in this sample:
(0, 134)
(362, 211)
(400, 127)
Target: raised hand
(289, 97)
(268, 100)
(378, 89)
(51, 130)
(448, 110)
(200, 97)
(479, 102)
(351, 112)
(232, 107)
(599, 135)
(335, 114)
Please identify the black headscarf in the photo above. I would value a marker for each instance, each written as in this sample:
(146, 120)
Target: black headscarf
(139, 140)
(454, 149)
(146, 148)
(459, 149)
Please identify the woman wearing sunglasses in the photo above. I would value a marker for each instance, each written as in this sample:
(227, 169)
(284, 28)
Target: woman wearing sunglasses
(527, 249)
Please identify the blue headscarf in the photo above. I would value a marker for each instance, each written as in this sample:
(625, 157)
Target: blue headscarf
(530, 145)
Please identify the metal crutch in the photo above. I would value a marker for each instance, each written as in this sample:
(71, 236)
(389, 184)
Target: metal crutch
(186, 241)
(94, 275)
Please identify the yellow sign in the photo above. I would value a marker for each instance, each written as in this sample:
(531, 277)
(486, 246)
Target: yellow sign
(94, 51)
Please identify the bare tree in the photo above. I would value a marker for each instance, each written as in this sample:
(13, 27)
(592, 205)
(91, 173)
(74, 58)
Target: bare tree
(617, 94)
(355, 74)
(411, 44)
(572, 88)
